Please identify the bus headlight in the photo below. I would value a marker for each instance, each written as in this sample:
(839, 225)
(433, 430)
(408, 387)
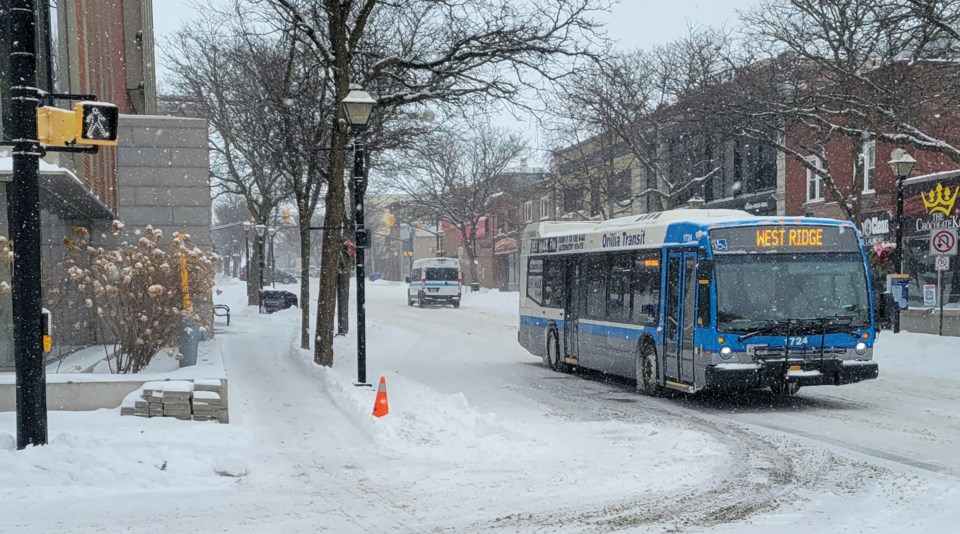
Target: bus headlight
(726, 353)
(861, 348)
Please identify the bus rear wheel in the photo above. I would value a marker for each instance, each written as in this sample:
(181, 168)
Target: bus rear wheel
(554, 360)
(647, 370)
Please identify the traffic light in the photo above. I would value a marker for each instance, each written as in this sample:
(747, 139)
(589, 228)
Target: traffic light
(418, 225)
(388, 219)
(285, 218)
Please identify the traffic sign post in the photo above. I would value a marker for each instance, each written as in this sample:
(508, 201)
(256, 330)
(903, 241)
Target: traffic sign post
(943, 242)
(943, 264)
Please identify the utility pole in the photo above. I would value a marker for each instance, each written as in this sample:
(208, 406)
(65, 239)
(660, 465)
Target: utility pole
(23, 213)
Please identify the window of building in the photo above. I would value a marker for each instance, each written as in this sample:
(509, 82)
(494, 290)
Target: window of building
(545, 207)
(572, 199)
(869, 155)
(814, 181)
(512, 214)
(528, 211)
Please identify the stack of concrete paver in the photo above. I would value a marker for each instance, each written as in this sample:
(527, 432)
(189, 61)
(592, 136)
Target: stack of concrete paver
(200, 400)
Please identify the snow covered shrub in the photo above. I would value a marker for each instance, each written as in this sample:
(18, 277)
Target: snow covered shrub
(135, 290)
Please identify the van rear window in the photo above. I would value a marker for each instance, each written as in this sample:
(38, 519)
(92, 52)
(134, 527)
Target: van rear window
(442, 274)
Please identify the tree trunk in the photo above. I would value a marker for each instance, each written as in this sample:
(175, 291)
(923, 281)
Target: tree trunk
(253, 273)
(343, 302)
(304, 283)
(469, 248)
(334, 215)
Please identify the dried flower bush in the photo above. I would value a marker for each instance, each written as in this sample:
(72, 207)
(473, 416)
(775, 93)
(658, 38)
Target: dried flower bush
(134, 290)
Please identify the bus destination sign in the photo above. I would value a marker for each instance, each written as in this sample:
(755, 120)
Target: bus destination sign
(783, 238)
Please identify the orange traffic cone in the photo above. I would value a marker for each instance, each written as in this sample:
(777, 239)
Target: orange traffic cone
(380, 407)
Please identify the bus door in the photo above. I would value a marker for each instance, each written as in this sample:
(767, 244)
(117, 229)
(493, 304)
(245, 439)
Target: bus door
(571, 307)
(680, 317)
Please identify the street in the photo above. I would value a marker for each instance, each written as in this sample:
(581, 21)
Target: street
(481, 436)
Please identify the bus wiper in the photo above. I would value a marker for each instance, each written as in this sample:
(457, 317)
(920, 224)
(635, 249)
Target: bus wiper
(769, 327)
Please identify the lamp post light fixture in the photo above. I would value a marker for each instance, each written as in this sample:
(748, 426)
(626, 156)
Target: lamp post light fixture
(901, 163)
(357, 106)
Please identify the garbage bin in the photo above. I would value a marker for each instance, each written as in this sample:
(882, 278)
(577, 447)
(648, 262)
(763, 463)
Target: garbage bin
(189, 342)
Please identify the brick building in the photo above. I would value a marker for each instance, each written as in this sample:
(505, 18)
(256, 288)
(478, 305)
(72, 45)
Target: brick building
(157, 175)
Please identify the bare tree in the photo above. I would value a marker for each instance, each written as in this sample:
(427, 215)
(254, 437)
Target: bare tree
(455, 174)
(860, 69)
(422, 51)
(628, 104)
(210, 66)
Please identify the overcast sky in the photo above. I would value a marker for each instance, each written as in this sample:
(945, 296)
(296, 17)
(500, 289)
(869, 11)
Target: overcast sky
(632, 23)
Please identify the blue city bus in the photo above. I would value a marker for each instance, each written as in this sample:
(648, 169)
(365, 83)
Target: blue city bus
(700, 299)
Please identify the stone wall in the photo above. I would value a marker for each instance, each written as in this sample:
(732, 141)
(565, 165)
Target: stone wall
(163, 172)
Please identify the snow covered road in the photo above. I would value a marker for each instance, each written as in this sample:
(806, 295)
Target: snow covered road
(482, 437)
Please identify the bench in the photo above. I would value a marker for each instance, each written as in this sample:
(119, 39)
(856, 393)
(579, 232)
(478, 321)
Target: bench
(222, 310)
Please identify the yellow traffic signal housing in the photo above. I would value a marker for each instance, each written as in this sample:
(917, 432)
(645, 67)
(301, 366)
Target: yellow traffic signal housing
(285, 218)
(57, 127)
(45, 328)
(88, 123)
(388, 219)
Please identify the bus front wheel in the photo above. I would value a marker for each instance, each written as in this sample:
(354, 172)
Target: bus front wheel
(554, 360)
(647, 370)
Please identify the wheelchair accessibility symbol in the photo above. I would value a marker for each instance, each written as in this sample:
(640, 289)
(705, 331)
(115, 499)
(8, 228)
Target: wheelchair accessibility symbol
(720, 244)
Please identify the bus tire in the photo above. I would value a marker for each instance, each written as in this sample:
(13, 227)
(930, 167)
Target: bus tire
(646, 368)
(787, 389)
(552, 357)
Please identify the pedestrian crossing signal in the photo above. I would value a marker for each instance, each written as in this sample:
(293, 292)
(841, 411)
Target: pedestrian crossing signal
(88, 123)
(98, 123)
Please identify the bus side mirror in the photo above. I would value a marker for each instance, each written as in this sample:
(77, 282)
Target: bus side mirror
(406, 279)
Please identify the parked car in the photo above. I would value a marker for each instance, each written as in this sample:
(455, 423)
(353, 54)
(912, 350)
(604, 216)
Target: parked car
(292, 271)
(281, 277)
(272, 300)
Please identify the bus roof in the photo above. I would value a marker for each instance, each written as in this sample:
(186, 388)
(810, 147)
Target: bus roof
(681, 226)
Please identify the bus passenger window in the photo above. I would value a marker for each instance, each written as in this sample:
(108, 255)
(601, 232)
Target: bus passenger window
(645, 290)
(618, 297)
(596, 288)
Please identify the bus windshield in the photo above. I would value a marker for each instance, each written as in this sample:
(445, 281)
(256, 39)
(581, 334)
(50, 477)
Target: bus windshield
(755, 289)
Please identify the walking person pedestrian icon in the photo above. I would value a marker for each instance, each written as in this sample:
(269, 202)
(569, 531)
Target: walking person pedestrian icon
(97, 125)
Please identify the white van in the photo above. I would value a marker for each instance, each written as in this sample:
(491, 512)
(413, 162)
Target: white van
(435, 280)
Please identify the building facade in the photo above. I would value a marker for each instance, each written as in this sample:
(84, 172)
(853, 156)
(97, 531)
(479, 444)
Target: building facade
(157, 175)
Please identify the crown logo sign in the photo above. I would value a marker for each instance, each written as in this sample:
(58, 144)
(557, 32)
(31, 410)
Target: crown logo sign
(940, 199)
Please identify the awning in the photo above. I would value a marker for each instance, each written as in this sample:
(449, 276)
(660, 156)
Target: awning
(62, 192)
(506, 245)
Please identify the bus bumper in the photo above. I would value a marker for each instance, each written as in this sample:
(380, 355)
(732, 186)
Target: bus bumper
(811, 373)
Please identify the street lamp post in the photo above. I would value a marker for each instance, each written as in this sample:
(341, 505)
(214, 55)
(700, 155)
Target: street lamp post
(901, 163)
(247, 225)
(357, 106)
(261, 231)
